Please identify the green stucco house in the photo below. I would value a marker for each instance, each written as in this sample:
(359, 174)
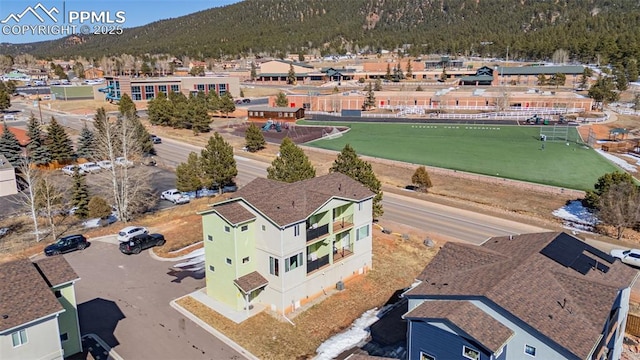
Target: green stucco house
(282, 245)
(38, 310)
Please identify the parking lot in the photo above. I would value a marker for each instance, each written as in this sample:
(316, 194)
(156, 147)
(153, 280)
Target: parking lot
(125, 301)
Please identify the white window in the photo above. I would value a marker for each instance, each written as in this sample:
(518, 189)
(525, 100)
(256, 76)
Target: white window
(470, 353)
(210, 237)
(274, 268)
(227, 229)
(530, 350)
(19, 338)
(244, 228)
(425, 356)
(293, 262)
(362, 232)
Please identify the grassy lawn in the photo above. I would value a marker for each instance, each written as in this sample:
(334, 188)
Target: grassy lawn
(513, 152)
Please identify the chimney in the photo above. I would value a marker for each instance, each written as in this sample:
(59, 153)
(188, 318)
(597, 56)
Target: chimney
(510, 237)
(293, 203)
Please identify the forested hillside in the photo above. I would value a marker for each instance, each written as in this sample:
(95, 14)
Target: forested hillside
(531, 29)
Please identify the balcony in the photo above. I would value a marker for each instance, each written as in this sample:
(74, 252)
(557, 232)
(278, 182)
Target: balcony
(318, 232)
(314, 265)
(339, 254)
(343, 223)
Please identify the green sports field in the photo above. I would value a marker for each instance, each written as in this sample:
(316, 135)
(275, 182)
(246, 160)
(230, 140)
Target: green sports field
(513, 152)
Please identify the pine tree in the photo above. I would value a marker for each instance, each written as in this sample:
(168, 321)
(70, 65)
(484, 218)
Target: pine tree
(370, 98)
(59, 142)
(87, 144)
(350, 164)
(253, 74)
(226, 104)
(291, 76)
(387, 75)
(98, 207)
(409, 71)
(189, 175)
(179, 110)
(291, 165)
(254, 139)
(218, 165)
(80, 195)
(10, 147)
(5, 97)
(159, 110)
(377, 86)
(281, 100)
(199, 114)
(214, 103)
(127, 107)
(421, 179)
(37, 151)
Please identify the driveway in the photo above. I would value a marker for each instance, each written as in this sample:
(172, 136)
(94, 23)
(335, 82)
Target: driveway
(125, 300)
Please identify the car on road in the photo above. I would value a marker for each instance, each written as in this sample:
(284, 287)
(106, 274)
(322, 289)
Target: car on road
(630, 257)
(246, 101)
(90, 167)
(175, 196)
(105, 164)
(155, 139)
(9, 117)
(124, 162)
(70, 169)
(66, 244)
(148, 160)
(140, 242)
(130, 231)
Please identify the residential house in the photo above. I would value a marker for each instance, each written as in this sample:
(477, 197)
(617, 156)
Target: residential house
(281, 245)
(543, 295)
(8, 185)
(38, 310)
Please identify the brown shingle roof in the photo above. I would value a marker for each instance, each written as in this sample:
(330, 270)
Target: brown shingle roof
(286, 203)
(566, 306)
(233, 212)
(469, 318)
(24, 295)
(56, 270)
(250, 282)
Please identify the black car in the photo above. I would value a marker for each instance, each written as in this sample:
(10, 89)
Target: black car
(140, 242)
(246, 101)
(66, 244)
(155, 139)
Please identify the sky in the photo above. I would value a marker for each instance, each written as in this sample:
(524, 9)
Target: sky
(109, 16)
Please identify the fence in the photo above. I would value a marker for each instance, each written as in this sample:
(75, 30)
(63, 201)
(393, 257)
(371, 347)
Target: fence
(633, 325)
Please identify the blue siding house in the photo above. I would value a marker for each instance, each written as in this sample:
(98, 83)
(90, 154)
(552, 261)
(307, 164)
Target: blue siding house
(535, 296)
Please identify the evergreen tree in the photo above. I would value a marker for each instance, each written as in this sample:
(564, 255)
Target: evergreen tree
(86, 144)
(179, 110)
(419, 88)
(604, 182)
(377, 86)
(189, 175)
(198, 113)
(253, 74)
(387, 75)
(421, 179)
(37, 151)
(127, 107)
(631, 68)
(281, 100)
(603, 91)
(60, 144)
(291, 76)
(370, 98)
(142, 136)
(160, 110)
(254, 139)
(5, 97)
(227, 105)
(350, 164)
(542, 80)
(291, 165)
(409, 71)
(622, 83)
(98, 207)
(80, 195)
(9, 146)
(214, 103)
(218, 165)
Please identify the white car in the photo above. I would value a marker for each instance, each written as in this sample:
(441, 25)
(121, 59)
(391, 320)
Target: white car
(124, 162)
(105, 164)
(90, 167)
(69, 170)
(174, 196)
(131, 231)
(630, 257)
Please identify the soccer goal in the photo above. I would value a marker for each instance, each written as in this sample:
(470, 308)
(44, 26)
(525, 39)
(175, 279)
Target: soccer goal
(559, 133)
(333, 134)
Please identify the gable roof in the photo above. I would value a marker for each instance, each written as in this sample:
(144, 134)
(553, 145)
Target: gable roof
(234, 213)
(488, 331)
(524, 276)
(286, 203)
(24, 295)
(56, 270)
(250, 282)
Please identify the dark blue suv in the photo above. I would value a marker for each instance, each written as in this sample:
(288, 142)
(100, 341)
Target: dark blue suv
(66, 244)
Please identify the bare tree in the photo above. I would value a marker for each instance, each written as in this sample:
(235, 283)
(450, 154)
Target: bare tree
(26, 60)
(48, 199)
(560, 56)
(27, 198)
(620, 207)
(5, 63)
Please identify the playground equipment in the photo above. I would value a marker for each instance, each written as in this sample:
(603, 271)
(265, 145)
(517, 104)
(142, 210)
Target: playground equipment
(268, 125)
(272, 125)
(111, 94)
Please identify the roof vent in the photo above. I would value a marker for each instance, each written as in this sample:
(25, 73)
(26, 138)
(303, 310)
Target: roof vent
(5, 316)
(340, 187)
(510, 237)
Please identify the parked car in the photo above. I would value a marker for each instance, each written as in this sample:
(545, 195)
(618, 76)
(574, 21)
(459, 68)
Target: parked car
(130, 231)
(148, 160)
(124, 162)
(70, 169)
(155, 139)
(90, 167)
(66, 244)
(630, 257)
(246, 101)
(105, 164)
(140, 242)
(175, 196)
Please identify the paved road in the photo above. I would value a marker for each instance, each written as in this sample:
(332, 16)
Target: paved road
(125, 300)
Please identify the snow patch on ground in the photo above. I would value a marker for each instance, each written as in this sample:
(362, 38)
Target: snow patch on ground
(359, 331)
(94, 223)
(576, 217)
(623, 164)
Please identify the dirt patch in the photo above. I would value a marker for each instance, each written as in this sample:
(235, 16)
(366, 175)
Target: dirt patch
(268, 337)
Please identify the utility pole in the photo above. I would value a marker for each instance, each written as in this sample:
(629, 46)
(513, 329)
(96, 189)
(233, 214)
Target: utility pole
(39, 108)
